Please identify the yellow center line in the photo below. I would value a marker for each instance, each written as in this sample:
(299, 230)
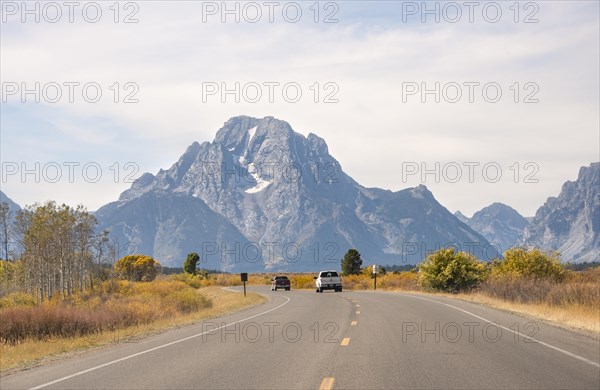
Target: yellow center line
(327, 384)
(353, 323)
(357, 305)
(357, 312)
(345, 341)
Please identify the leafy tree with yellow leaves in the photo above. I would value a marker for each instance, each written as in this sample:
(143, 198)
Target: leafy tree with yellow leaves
(137, 268)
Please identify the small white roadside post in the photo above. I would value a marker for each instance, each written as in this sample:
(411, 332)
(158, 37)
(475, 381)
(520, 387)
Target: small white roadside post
(374, 276)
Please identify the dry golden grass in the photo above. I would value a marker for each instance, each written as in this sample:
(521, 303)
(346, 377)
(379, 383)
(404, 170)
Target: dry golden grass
(574, 301)
(302, 281)
(112, 305)
(403, 281)
(225, 280)
(34, 352)
(577, 316)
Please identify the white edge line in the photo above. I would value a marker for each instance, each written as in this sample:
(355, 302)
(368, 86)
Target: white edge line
(154, 349)
(588, 361)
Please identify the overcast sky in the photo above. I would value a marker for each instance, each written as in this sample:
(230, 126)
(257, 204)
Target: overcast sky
(371, 61)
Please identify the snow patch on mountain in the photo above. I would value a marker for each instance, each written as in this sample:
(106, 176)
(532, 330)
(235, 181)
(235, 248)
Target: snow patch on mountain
(261, 184)
(251, 133)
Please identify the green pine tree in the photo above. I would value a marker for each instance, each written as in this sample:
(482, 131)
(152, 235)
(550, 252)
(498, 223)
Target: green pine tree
(351, 263)
(189, 267)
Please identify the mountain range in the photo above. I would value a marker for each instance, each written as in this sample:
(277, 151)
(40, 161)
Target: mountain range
(262, 197)
(570, 222)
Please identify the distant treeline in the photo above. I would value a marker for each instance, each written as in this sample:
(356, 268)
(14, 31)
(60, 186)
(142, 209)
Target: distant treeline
(582, 266)
(400, 268)
(179, 270)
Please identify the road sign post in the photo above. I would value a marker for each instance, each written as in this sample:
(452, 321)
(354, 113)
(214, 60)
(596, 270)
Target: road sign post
(374, 276)
(244, 277)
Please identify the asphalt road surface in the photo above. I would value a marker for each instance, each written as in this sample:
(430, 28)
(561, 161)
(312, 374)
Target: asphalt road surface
(349, 340)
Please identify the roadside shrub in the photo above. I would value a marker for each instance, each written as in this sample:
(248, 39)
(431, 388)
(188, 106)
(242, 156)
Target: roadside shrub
(530, 263)
(191, 280)
(450, 271)
(17, 299)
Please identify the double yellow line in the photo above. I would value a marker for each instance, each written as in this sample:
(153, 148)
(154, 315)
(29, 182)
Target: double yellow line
(327, 383)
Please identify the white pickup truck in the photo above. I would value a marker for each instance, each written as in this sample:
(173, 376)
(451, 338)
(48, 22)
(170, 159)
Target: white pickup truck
(328, 280)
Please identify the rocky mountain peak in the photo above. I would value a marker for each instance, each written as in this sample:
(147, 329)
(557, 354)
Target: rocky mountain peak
(421, 192)
(500, 211)
(235, 130)
(500, 224)
(274, 186)
(570, 222)
(242, 131)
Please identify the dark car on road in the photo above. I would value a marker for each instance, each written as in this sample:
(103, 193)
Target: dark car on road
(280, 282)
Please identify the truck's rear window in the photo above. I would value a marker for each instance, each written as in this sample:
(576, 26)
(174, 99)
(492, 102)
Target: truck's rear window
(281, 277)
(329, 274)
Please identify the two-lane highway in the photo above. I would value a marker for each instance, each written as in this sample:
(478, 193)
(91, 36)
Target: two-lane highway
(418, 341)
(358, 340)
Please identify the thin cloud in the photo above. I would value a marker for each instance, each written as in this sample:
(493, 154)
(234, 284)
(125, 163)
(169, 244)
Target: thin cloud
(369, 54)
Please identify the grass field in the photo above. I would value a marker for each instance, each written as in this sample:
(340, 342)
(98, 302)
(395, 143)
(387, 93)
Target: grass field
(58, 329)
